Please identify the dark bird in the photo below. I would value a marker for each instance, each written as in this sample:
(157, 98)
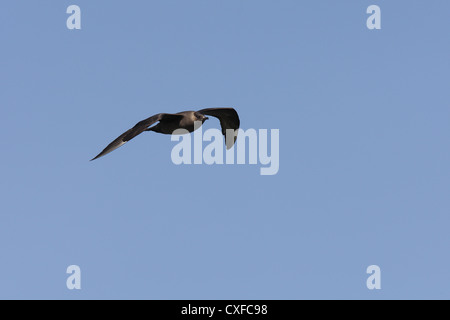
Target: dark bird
(168, 123)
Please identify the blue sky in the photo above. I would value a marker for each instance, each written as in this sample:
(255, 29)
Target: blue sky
(364, 150)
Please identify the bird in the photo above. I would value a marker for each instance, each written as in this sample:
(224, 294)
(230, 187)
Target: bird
(169, 122)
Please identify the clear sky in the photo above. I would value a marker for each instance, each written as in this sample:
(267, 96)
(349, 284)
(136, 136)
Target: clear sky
(364, 173)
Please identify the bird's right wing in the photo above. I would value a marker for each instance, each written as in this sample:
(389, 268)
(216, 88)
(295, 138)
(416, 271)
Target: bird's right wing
(136, 130)
(229, 119)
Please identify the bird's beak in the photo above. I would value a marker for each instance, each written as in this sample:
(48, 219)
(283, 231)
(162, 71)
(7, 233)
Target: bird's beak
(206, 118)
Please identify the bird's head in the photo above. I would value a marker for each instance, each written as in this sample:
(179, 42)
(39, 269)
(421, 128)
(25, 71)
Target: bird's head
(201, 117)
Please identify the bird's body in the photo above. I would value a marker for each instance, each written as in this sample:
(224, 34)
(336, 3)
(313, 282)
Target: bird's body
(168, 123)
(185, 121)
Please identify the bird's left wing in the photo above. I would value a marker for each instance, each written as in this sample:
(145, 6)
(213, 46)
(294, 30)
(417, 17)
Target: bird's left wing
(133, 132)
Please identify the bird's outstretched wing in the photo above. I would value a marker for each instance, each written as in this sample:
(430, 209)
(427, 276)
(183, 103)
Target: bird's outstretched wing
(136, 130)
(229, 119)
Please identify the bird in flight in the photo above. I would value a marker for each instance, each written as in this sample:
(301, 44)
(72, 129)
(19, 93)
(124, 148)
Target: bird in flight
(168, 123)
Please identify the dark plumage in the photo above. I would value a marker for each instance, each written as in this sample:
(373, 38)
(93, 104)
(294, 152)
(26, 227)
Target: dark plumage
(168, 123)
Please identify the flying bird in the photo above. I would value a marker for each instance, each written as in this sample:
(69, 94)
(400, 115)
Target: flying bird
(168, 123)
